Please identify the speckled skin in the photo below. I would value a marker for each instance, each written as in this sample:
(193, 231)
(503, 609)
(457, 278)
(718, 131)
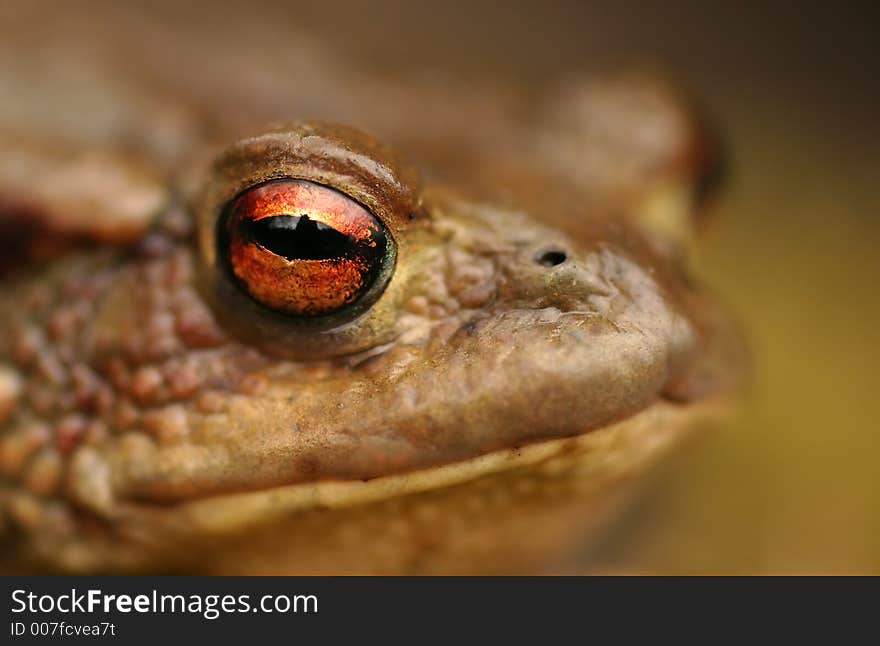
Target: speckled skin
(486, 412)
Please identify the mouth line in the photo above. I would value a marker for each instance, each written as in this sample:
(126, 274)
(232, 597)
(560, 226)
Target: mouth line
(625, 441)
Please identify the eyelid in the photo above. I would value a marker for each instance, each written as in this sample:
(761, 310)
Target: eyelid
(336, 156)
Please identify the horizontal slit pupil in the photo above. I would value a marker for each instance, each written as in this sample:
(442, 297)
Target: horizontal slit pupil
(298, 237)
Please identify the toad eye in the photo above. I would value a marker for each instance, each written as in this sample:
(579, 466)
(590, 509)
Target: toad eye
(301, 248)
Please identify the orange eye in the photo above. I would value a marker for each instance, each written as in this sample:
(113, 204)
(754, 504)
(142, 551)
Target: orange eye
(302, 248)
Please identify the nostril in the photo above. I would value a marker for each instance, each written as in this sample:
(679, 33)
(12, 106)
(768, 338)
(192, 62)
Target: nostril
(551, 257)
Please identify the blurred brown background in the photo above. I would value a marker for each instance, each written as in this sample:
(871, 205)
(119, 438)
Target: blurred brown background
(791, 484)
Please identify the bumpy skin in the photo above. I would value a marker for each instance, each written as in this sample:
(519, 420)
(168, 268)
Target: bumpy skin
(484, 413)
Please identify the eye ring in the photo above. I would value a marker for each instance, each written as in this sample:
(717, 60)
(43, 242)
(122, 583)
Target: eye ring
(303, 249)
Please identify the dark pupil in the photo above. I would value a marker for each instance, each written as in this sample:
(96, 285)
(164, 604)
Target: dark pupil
(298, 237)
